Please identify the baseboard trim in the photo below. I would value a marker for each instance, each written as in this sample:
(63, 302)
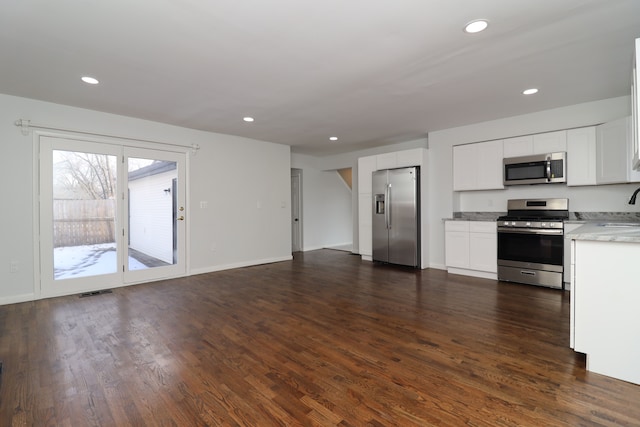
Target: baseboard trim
(473, 273)
(17, 299)
(239, 265)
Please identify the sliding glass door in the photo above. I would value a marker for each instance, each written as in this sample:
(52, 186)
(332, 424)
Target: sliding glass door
(109, 215)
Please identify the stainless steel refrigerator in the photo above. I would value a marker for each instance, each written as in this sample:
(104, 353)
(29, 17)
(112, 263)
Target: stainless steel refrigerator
(396, 216)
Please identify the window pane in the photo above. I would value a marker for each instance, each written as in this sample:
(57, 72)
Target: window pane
(152, 213)
(84, 207)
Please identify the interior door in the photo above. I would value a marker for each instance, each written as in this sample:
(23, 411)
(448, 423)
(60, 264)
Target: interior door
(110, 215)
(296, 214)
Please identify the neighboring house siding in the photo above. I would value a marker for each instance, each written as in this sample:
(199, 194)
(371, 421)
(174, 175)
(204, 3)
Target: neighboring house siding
(151, 217)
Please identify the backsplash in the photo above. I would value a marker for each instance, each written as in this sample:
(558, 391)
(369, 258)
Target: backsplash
(478, 216)
(608, 216)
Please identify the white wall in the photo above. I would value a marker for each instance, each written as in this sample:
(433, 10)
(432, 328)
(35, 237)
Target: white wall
(444, 201)
(326, 205)
(245, 182)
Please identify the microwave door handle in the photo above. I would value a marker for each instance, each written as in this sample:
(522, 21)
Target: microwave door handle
(548, 170)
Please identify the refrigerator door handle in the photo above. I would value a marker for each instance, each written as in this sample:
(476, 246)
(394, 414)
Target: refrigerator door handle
(388, 207)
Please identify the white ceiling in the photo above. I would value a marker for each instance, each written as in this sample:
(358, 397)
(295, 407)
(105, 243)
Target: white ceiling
(371, 72)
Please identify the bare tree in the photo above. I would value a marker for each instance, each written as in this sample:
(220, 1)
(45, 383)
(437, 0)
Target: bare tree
(86, 175)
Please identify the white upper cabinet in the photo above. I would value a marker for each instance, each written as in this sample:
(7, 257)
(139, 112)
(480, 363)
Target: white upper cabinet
(386, 161)
(398, 159)
(408, 158)
(581, 156)
(614, 149)
(489, 159)
(478, 166)
(635, 109)
(465, 167)
(518, 146)
(542, 143)
(550, 142)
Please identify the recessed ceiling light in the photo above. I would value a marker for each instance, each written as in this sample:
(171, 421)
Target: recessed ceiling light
(530, 91)
(333, 138)
(248, 119)
(476, 26)
(90, 80)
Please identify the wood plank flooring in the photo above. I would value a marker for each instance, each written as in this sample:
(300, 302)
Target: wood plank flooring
(323, 340)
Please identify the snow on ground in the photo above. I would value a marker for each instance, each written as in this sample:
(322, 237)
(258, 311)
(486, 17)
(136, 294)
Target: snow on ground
(88, 260)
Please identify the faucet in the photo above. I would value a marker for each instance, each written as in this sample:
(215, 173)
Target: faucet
(632, 200)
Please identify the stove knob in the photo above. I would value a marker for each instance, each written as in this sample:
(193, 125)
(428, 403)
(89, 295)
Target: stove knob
(528, 224)
(544, 225)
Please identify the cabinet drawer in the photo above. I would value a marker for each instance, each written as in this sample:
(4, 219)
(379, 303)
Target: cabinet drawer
(456, 226)
(482, 227)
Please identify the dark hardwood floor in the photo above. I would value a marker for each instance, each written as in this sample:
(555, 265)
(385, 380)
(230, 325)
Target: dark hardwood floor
(322, 340)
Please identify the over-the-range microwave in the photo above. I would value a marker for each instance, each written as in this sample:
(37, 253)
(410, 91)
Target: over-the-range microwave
(536, 169)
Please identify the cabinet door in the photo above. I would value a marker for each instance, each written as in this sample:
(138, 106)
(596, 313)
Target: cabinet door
(386, 161)
(409, 158)
(483, 252)
(518, 146)
(611, 152)
(581, 156)
(633, 175)
(457, 249)
(635, 108)
(489, 158)
(465, 167)
(457, 244)
(550, 142)
(477, 166)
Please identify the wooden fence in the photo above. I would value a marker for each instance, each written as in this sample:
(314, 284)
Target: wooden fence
(83, 222)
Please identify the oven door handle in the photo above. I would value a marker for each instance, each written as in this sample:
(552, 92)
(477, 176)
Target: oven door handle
(547, 231)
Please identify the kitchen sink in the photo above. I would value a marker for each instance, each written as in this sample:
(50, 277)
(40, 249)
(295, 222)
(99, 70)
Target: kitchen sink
(620, 224)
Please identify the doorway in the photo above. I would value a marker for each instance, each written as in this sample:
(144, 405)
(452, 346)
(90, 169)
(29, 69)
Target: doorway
(296, 210)
(110, 215)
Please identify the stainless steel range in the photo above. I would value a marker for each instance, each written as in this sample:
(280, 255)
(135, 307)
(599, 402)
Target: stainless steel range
(531, 242)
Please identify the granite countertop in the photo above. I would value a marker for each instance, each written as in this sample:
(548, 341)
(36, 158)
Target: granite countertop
(607, 232)
(475, 216)
(574, 217)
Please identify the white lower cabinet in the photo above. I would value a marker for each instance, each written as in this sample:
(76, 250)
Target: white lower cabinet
(605, 320)
(471, 248)
(457, 244)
